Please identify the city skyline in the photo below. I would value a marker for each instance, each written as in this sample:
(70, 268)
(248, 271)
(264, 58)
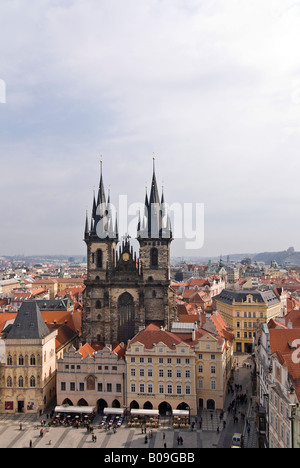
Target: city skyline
(211, 89)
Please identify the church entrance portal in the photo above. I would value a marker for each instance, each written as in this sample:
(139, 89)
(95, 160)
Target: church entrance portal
(126, 317)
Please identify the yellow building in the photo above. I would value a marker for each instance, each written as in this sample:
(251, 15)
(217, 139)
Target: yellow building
(27, 375)
(50, 284)
(160, 372)
(185, 369)
(244, 310)
(213, 346)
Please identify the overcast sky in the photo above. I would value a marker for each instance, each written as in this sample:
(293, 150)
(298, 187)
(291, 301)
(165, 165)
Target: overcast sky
(211, 87)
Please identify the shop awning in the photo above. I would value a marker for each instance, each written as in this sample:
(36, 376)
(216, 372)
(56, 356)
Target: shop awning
(113, 411)
(144, 412)
(177, 412)
(75, 409)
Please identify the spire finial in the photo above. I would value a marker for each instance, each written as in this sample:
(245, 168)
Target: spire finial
(153, 162)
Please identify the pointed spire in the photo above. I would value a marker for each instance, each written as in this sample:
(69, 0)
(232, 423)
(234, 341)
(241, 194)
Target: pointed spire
(154, 196)
(101, 193)
(116, 228)
(86, 229)
(94, 205)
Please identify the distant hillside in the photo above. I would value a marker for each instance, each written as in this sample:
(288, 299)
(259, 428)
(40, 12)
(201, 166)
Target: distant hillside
(286, 257)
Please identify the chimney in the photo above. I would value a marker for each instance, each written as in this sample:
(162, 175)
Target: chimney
(194, 331)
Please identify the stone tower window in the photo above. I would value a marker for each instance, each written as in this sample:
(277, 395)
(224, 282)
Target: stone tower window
(99, 258)
(154, 257)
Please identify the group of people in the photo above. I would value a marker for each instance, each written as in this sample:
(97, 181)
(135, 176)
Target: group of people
(146, 437)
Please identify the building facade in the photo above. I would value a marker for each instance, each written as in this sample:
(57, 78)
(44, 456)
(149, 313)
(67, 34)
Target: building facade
(90, 377)
(244, 310)
(27, 375)
(126, 290)
(160, 372)
(278, 387)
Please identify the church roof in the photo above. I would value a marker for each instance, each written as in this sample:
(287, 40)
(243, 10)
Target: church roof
(29, 323)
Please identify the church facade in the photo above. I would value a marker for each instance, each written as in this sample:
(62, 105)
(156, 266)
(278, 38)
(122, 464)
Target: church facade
(127, 290)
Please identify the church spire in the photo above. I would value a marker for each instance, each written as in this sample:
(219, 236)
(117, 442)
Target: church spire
(86, 229)
(154, 196)
(101, 200)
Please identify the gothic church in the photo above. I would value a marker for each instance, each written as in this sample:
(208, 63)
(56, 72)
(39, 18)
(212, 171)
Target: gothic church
(125, 291)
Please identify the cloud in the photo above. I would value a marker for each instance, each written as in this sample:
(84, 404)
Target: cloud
(210, 87)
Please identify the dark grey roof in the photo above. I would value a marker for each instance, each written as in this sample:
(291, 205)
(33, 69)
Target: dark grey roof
(29, 323)
(227, 296)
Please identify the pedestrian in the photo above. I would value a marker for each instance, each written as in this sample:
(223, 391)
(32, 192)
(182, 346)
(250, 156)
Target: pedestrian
(164, 436)
(146, 439)
(200, 424)
(218, 430)
(30, 444)
(165, 445)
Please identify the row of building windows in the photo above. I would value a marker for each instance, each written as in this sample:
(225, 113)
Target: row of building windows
(169, 372)
(250, 314)
(73, 367)
(169, 388)
(246, 334)
(161, 373)
(101, 387)
(32, 382)
(161, 360)
(161, 389)
(23, 361)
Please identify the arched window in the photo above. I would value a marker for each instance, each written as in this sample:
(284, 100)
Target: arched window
(32, 381)
(98, 304)
(9, 382)
(99, 258)
(9, 360)
(21, 382)
(21, 360)
(32, 360)
(154, 257)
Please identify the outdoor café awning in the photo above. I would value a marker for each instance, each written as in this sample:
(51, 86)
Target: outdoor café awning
(177, 412)
(75, 409)
(144, 412)
(113, 410)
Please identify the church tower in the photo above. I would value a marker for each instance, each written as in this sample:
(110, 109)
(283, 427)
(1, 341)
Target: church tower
(125, 292)
(101, 240)
(155, 237)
